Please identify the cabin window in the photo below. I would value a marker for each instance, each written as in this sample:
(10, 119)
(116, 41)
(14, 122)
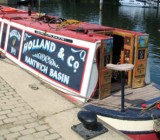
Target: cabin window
(126, 56)
(141, 54)
(128, 41)
(106, 60)
(108, 44)
(142, 41)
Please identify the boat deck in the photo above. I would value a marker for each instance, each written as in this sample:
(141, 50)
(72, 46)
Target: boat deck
(133, 98)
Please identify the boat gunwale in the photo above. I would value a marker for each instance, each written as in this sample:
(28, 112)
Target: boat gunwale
(129, 114)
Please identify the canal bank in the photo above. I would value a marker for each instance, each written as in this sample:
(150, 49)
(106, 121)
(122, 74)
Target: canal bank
(37, 112)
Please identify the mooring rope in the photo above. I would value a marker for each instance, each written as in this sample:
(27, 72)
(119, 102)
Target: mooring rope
(156, 124)
(68, 22)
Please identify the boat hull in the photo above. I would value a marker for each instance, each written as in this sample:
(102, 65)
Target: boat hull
(133, 3)
(145, 136)
(145, 131)
(133, 123)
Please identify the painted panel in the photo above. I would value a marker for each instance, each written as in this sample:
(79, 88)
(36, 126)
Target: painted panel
(3, 38)
(143, 41)
(58, 61)
(14, 41)
(105, 74)
(0, 30)
(140, 61)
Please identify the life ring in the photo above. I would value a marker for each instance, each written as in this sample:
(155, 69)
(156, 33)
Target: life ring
(8, 9)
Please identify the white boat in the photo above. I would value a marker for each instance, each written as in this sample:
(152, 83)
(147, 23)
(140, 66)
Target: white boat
(134, 3)
(153, 3)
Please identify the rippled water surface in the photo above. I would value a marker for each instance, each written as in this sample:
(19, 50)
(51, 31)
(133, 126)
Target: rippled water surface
(146, 20)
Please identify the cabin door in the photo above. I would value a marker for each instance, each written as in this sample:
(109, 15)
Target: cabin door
(118, 48)
(140, 61)
(104, 73)
(123, 51)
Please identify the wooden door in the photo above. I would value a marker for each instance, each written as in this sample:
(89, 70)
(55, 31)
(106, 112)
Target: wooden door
(127, 52)
(104, 73)
(140, 60)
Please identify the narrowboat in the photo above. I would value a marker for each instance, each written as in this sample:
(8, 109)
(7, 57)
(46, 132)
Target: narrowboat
(102, 67)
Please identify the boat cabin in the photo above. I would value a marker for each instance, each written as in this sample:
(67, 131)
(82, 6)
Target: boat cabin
(128, 47)
(71, 55)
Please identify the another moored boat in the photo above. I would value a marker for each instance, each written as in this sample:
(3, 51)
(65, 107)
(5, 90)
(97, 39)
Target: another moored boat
(134, 3)
(83, 62)
(22, 2)
(153, 3)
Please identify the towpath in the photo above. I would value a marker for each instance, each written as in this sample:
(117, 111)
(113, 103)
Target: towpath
(30, 110)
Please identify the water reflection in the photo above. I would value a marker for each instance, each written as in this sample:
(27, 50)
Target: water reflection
(146, 20)
(132, 18)
(135, 16)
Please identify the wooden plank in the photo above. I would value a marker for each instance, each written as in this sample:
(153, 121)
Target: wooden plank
(133, 97)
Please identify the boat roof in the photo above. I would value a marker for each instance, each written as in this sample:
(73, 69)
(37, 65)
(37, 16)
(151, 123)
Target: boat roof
(9, 10)
(69, 31)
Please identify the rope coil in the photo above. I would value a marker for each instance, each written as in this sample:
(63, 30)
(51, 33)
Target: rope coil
(68, 22)
(156, 124)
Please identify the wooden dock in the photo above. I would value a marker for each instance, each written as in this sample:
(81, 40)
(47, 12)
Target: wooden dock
(133, 97)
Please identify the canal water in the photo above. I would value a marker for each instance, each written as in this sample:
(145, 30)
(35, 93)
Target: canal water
(146, 20)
